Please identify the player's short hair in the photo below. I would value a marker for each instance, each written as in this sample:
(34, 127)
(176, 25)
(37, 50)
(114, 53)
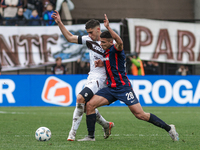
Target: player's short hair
(92, 24)
(105, 34)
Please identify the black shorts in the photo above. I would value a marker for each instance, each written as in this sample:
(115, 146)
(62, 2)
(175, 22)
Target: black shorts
(125, 94)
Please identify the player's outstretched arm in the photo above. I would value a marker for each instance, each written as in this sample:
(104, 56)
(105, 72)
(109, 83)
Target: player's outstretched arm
(116, 37)
(70, 37)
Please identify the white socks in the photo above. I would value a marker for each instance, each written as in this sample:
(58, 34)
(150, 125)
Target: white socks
(77, 117)
(100, 120)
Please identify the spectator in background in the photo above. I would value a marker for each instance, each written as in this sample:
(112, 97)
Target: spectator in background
(182, 70)
(137, 65)
(58, 68)
(1, 14)
(187, 70)
(30, 5)
(46, 2)
(83, 67)
(128, 64)
(70, 4)
(19, 19)
(151, 68)
(64, 7)
(10, 8)
(87, 67)
(34, 19)
(48, 20)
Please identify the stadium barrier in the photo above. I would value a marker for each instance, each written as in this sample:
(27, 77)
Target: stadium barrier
(61, 90)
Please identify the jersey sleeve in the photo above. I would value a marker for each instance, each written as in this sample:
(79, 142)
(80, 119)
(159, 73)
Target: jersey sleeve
(83, 39)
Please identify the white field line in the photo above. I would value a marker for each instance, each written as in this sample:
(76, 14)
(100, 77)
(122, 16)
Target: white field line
(4, 112)
(33, 113)
(112, 135)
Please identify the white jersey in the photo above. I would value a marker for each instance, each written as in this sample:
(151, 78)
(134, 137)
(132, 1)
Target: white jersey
(96, 74)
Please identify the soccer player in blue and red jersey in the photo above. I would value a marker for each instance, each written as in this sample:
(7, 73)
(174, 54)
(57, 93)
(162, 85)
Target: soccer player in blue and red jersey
(119, 86)
(96, 77)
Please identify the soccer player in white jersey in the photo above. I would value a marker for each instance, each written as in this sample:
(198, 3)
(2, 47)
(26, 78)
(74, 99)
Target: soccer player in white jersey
(97, 75)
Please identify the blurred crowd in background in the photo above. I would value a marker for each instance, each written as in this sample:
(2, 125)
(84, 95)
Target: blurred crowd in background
(30, 12)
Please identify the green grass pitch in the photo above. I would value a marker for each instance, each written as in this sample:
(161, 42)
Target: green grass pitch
(18, 126)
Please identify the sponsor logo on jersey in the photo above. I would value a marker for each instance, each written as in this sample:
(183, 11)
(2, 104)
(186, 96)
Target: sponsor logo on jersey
(97, 47)
(57, 92)
(94, 46)
(107, 58)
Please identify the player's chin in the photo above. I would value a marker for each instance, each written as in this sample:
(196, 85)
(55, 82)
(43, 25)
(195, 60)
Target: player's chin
(104, 47)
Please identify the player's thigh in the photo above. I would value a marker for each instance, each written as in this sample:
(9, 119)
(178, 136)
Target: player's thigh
(136, 109)
(98, 101)
(107, 94)
(95, 102)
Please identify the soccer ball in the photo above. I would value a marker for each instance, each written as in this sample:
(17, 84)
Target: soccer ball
(43, 134)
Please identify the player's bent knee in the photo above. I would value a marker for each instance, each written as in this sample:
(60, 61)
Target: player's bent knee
(80, 99)
(89, 107)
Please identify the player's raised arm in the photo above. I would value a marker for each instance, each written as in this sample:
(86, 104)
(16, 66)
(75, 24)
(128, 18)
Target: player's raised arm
(116, 37)
(70, 37)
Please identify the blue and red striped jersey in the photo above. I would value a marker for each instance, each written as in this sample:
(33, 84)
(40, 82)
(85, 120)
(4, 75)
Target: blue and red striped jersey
(115, 64)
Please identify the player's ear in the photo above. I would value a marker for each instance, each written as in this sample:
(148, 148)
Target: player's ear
(111, 41)
(98, 29)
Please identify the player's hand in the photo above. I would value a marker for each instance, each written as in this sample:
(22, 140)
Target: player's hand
(98, 63)
(106, 21)
(56, 16)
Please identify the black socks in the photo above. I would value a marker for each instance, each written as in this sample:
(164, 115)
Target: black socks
(91, 120)
(158, 122)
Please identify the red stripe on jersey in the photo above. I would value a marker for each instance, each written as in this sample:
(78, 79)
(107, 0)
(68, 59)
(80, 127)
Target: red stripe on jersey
(113, 84)
(120, 76)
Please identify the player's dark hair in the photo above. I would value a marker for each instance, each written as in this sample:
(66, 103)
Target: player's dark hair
(105, 34)
(92, 24)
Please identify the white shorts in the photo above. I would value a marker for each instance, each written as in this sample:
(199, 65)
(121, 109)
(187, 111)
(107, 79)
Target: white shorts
(96, 84)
